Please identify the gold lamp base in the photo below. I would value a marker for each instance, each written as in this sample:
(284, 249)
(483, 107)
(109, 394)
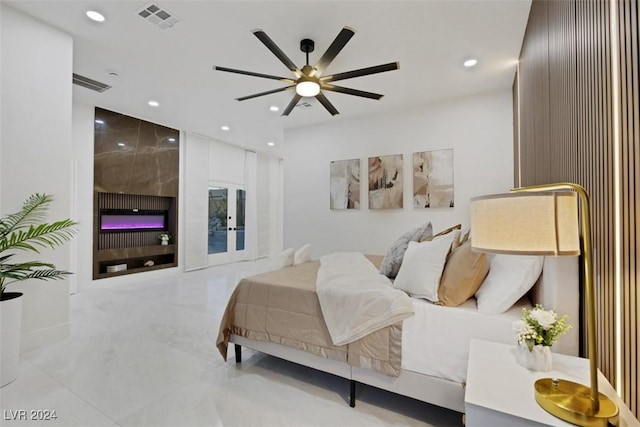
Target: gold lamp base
(571, 402)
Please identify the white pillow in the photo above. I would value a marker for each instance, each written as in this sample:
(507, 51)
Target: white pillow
(510, 278)
(393, 259)
(283, 259)
(422, 267)
(302, 255)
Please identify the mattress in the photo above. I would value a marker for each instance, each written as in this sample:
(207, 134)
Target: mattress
(435, 340)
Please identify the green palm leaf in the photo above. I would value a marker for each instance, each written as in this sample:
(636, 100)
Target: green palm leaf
(33, 210)
(25, 230)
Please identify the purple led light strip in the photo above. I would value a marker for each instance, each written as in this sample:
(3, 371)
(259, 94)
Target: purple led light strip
(131, 222)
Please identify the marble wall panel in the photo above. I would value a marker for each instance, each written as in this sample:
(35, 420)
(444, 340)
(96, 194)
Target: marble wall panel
(134, 156)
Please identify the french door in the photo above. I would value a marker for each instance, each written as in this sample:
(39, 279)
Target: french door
(226, 240)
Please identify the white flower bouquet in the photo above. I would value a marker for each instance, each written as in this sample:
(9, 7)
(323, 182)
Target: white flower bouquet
(540, 327)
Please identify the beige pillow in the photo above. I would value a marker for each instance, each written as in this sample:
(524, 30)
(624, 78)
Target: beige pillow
(448, 230)
(463, 274)
(455, 229)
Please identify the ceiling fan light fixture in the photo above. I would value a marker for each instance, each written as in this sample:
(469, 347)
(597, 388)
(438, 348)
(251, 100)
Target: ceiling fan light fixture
(308, 88)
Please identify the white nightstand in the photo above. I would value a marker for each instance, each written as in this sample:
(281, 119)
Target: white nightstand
(500, 392)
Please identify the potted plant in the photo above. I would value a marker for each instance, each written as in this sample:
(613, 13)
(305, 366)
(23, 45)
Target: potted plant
(164, 238)
(24, 231)
(537, 331)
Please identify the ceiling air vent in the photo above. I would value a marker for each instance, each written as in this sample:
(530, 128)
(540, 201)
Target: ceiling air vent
(88, 83)
(157, 16)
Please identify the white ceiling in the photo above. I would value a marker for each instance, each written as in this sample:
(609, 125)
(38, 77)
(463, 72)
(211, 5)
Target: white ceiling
(430, 39)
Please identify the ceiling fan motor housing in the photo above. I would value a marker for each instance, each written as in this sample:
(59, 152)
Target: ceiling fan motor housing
(307, 45)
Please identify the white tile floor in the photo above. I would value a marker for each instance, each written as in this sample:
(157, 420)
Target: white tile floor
(144, 354)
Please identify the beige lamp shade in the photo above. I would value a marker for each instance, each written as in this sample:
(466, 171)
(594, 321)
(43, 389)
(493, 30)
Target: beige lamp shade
(526, 223)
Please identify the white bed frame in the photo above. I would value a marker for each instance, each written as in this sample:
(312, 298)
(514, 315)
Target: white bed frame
(557, 288)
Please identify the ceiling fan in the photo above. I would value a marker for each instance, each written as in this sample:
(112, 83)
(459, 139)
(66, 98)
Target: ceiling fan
(309, 81)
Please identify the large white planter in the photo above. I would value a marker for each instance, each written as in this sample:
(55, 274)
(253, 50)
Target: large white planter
(10, 325)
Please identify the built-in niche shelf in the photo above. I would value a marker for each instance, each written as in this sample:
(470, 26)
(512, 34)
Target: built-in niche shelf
(125, 242)
(135, 259)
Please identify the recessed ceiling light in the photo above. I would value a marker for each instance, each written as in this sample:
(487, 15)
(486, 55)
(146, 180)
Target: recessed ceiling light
(274, 108)
(172, 140)
(95, 16)
(121, 144)
(470, 62)
(154, 103)
(100, 122)
(224, 127)
(271, 144)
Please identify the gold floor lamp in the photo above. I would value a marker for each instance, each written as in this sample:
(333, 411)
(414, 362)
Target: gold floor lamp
(544, 220)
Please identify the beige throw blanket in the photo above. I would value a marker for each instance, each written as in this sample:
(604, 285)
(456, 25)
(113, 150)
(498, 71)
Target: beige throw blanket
(356, 299)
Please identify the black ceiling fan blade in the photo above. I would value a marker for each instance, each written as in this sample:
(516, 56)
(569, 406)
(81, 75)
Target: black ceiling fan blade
(326, 104)
(292, 104)
(251, 73)
(361, 72)
(350, 91)
(266, 40)
(340, 41)
(269, 92)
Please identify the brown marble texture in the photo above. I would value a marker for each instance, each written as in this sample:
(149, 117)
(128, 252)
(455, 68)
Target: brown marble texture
(133, 156)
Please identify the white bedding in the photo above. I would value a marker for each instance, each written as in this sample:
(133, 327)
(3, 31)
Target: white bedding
(435, 340)
(355, 299)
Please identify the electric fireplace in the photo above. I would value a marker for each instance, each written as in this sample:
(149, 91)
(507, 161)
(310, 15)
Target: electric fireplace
(122, 220)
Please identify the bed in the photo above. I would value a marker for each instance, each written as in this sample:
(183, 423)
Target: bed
(278, 313)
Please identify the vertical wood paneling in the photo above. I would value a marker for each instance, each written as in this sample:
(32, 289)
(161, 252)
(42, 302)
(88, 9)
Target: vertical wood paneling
(562, 91)
(516, 136)
(534, 93)
(628, 42)
(567, 134)
(595, 164)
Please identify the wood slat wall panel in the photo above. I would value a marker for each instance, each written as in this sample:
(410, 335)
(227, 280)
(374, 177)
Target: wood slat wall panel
(567, 134)
(516, 136)
(534, 93)
(628, 15)
(562, 91)
(596, 163)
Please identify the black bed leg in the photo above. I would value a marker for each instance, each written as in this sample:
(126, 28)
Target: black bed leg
(238, 350)
(352, 396)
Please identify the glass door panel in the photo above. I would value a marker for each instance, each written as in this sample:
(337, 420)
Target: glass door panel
(218, 233)
(240, 212)
(226, 239)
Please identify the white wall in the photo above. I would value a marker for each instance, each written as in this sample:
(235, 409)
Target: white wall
(479, 129)
(35, 148)
(82, 154)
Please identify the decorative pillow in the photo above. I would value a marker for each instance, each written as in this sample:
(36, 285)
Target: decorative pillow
(462, 276)
(283, 259)
(464, 236)
(421, 269)
(448, 230)
(393, 259)
(510, 278)
(302, 255)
